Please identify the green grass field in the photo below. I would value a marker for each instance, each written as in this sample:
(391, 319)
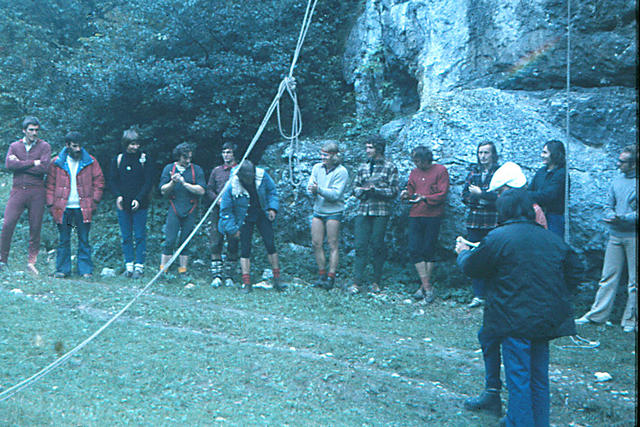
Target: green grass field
(190, 354)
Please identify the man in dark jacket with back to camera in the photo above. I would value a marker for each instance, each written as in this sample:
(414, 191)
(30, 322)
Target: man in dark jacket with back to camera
(529, 273)
(130, 180)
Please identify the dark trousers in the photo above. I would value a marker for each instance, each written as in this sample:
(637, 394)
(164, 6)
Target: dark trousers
(370, 246)
(72, 218)
(555, 222)
(31, 198)
(475, 235)
(177, 225)
(491, 354)
(423, 237)
(265, 227)
(133, 227)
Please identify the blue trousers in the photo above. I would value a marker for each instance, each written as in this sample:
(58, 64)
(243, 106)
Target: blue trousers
(475, 235)
(133, 228)
(526, 365)
(70, 219)
(491, 354)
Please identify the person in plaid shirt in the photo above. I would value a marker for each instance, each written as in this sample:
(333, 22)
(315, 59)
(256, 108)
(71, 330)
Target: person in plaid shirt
(376, 186)
(482, 215)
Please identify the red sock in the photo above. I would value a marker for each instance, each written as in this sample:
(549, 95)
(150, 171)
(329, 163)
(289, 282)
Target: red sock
(332, 275)
(276, 273)
(321, 273)
(246, 279)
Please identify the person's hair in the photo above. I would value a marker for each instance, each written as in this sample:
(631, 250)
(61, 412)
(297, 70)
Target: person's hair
(515, 203)
(182, 149)
(556, 152)
(633, 151)
(72, 136)
(30, 120)
(331, 147)
(230, 146)
(422, 153)
(128, 136)
(378, 143)
(494, 151)
(246, 170)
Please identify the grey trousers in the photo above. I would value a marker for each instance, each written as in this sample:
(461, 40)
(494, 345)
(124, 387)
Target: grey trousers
(618, 248)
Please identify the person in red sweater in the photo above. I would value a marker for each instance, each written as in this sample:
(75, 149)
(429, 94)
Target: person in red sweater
(28, 159)
(427, 190)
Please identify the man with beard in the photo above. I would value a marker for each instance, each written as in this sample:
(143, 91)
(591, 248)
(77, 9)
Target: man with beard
(74, 188)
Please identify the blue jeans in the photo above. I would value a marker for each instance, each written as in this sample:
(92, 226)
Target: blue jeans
(526, 365)
(133, 227)
(491, 354)
(555, 222)
(369, 237)
(73, 218)
(475, 235)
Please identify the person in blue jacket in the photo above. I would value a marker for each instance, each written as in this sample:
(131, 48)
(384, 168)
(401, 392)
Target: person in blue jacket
(251, 199)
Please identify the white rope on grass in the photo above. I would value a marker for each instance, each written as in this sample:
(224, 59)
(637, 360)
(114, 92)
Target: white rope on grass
(284, 85)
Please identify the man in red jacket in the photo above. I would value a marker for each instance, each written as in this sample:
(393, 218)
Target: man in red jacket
(74, 188)
(28, 159)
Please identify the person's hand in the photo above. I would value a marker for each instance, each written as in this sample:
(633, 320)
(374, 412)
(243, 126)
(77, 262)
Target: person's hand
(119, 203)
(313, 188)
(461, 245)
(13, 157)
(135, 205)
(176, 177)
(271, 214)
(475, 190)
(36, 162)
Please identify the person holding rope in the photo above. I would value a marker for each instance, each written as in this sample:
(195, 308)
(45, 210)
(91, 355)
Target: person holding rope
(183, 183)
(548, 185)
(251, 200)
(131, 181)
(327, 185)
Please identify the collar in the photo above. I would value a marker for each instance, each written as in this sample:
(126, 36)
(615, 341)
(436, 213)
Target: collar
(228, 167)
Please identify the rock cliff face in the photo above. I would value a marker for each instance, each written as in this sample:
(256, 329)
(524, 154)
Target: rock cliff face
(496, 71)
(458, 72)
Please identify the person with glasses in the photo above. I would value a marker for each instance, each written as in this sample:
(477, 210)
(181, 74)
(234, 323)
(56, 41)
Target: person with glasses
(621, 217)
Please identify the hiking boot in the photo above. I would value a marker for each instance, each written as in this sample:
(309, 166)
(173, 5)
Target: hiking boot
(475, 302)
(277, 285)
(329, 283)
(488, 400)
(321, 282)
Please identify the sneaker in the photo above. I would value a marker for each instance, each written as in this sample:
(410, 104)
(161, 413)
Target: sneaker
(429, 296)
(582, 321)
(488, 400)
(628, 329)
(419, 294)
(475, 302)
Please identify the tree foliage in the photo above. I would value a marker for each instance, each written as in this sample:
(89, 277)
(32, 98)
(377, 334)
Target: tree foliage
(181, 70)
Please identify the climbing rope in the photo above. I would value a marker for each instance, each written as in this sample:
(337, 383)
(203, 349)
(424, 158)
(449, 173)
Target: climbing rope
(287, 84)
(579, 342)
(567, 233)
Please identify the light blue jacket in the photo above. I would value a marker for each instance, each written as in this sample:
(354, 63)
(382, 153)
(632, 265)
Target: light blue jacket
(234, 203)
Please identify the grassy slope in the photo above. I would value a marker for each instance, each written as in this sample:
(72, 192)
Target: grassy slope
(201, 356)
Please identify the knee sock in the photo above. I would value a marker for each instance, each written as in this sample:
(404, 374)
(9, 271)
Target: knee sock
(246, 279)
(276, 273)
